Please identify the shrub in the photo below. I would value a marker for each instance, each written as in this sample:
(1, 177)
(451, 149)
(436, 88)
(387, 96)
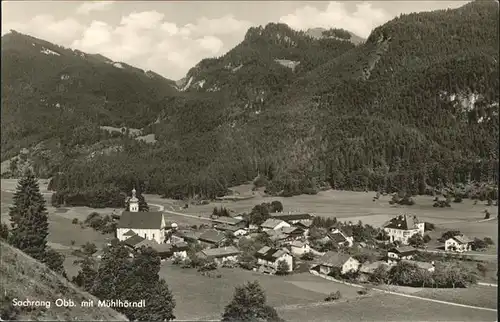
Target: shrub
(307, 256)
(479, 244)
(363, 291)
(333, 296)
(75, 221)
(176, 260)
(210, 266)
(487, 214)
(488, 241)
(482, 268)
(283, 268)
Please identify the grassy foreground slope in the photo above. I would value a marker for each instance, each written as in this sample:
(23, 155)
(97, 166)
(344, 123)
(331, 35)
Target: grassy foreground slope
(22, 277)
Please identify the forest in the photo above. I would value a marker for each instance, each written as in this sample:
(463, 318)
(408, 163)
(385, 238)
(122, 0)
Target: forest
(414, 108)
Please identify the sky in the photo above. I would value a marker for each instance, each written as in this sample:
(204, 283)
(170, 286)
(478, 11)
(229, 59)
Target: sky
(170, 37)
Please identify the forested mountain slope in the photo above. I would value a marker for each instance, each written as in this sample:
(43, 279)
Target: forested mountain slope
(415, 105)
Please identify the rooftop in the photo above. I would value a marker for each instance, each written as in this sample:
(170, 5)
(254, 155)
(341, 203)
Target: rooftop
(334, 259)
(403, 222)
(270, 254)
(271, 223)
(404, 250)
(462, 239)
(220, 252)
(140, 220)
(291, 216)
(337, 237)
(133, 241)
(212, 236)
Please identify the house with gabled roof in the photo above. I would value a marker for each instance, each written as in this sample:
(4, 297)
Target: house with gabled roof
(299, 248)
(274, 224)
(292, 217)
(149, 225)
(395, 254)
(220, 255)
(231, 221)
(334, 260)
(402, 227)
(459, 243)
(133, 241)
(237, 231)
(340, 237)
(212, 238)
(268, 259)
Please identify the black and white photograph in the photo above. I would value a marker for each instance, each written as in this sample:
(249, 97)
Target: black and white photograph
(249, 161)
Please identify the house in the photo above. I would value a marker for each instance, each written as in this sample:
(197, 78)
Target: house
(187, 236)
(291, 217)
(212, 238)
(459, 243)
(334, 260)
(298, 247)
(133, 241)
(149, 225)
(231, 221)
(268, 259)
(367, 269)
(237, 231)
(180, 250)
(430, 267)
(274, 224)
(293, 233)
(394, 255)
(304, 224)
(402, 227)
(220, 255)
(164, 250)
(340, 238)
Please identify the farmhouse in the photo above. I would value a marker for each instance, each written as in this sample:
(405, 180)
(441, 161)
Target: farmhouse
(402, 227)
(180, 250)
(220, 255)
(237, 231)
(459, 243)
(292, 218)
(212, 238)
(304, 224)
(274, 224)
(231, 221)
(187, 236)
(394, 255)
(150, 225)
(340, 238)
(367, 269)
(299, 248)
(268, 259)
(133, 241)
(334, 260)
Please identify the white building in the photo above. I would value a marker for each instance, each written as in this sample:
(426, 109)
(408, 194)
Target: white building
(341, 261)
(402, 227)
(299, 248)
(220, 255)
(148, 225)
(274, 224)
(459, 243)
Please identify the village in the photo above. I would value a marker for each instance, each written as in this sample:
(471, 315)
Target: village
(286, 242)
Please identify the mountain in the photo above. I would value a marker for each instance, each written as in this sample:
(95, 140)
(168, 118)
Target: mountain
(49, 91)
(415, 105)
(25, 278)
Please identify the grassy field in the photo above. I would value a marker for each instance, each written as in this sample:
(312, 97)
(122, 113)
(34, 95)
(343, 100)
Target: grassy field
(478, 295)
(201, 297)
(386, 307)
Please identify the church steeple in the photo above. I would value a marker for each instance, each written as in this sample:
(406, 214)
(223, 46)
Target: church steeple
(134, 202)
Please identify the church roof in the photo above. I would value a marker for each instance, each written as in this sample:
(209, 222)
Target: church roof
(140, 220)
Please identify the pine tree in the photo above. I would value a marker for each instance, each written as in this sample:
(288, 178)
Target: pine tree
(28, 218)
(249, 304)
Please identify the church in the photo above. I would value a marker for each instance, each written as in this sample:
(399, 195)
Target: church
(149, 225)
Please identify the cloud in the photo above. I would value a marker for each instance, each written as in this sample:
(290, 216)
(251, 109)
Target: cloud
(361, 21)
(144, 39)
(62, 32)
(87, 7)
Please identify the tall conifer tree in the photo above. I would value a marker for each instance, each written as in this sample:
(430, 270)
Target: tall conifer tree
(28, 217)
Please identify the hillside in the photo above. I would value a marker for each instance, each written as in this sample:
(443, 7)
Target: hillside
(22, 277)
(416, 105)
